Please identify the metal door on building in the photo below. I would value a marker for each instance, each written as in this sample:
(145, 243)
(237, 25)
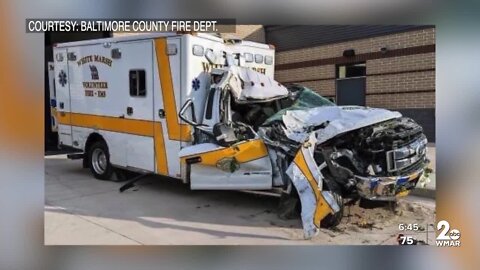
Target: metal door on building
(350, 84)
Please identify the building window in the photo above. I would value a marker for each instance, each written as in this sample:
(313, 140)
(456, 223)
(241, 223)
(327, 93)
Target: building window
(351, 70)
(137, 83)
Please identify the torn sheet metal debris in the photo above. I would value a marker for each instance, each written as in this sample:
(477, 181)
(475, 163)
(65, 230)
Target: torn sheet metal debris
(308, 180)
(248, 85)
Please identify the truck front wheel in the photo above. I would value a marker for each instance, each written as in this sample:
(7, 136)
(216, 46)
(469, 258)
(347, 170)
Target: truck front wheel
(333, 220)
(99, 161)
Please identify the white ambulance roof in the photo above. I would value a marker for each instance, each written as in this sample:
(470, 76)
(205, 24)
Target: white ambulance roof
(152, 36)
(247, 43)
(131, 38)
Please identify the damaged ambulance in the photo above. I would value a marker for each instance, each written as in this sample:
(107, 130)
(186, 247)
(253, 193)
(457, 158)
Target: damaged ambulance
(207, 111)
(258, 134)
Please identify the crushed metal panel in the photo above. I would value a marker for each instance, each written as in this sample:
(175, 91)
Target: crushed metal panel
(248, 85)
(340, 119)
(308, 180)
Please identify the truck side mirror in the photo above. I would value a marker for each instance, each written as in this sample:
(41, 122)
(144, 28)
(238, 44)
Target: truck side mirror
(182, 114)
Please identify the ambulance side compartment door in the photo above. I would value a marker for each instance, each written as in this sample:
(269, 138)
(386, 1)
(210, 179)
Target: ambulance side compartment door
(245, 165)
(62, 86)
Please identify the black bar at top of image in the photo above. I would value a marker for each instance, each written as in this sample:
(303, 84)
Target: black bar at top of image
(223, 23)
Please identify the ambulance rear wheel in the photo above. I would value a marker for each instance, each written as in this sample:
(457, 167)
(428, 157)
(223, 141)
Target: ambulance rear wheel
(99, 161)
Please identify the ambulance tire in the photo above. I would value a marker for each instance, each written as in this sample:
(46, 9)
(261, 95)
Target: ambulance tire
(332, 220)
(99, 161)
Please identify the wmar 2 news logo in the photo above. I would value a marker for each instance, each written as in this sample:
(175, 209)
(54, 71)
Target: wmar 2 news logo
(412, 235)
(447, 237)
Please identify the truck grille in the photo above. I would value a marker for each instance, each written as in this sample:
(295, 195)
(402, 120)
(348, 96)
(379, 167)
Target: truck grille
(405, 156)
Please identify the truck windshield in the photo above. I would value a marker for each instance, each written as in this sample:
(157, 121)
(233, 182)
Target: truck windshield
(300, 98)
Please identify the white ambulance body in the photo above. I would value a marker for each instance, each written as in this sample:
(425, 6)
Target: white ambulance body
(127, 92)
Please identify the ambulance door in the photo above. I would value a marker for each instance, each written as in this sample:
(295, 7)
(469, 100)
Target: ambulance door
(53, 99)
(137, 58)
(212, 165)
(62, 86)
(169, 131)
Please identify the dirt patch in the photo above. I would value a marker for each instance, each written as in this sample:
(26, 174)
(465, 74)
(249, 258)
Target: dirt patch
(378, 223)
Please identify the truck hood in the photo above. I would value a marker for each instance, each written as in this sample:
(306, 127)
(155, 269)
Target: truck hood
(329, 121)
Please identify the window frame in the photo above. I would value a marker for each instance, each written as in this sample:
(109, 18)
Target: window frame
(138, 84)
(209, 108)
(337, 70)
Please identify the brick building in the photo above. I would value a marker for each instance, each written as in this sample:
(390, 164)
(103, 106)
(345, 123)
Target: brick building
(390, 67)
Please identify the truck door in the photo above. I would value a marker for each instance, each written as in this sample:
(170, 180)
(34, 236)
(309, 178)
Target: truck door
(137, 63)
(242, 165)
(62, 86)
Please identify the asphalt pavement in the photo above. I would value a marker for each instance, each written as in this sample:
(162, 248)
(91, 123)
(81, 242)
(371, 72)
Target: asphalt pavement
(80, 210)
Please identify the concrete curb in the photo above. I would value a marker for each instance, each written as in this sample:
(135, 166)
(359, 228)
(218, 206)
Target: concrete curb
(429, 191)
(424, 192)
